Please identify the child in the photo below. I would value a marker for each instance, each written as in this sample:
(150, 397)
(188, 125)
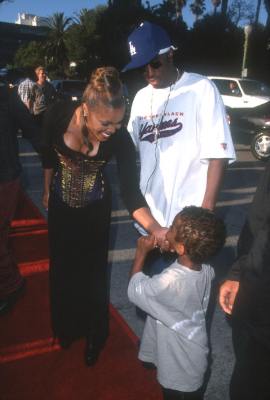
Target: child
(174, 337)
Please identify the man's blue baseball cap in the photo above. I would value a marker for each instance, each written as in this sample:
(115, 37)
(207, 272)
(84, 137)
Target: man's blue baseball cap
(145, 43)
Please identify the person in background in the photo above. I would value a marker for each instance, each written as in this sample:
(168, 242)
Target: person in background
(174, 337)
(25, 90)
(245, 295)
(43, 94)
(79, 140)
(179, 127)
(13, 115)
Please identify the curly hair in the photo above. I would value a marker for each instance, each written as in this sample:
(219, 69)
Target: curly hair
(202, 233)
(104, 87)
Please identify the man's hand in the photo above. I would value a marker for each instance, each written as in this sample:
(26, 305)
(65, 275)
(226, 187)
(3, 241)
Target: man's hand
(227, 295)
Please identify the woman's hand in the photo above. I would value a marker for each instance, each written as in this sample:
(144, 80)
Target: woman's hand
(146, 244)
(227, 295)
(160, 235)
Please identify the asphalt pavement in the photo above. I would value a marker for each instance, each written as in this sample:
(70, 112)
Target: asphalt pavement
(235, 196)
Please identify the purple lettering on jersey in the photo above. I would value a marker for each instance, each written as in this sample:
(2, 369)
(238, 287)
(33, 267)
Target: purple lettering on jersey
(166, 129)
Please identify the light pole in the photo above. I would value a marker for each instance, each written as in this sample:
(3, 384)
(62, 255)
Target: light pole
(247, 32)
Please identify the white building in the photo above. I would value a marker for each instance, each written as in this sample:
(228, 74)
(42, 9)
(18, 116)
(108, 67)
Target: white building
(31, 20)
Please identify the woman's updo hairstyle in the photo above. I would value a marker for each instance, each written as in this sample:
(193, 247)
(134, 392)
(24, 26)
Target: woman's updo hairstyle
(105, 87)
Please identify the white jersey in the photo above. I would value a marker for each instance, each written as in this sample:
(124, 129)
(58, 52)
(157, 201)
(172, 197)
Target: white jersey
(193, 128)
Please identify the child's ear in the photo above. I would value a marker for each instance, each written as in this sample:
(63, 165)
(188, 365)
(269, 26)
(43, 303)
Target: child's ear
(180, 249)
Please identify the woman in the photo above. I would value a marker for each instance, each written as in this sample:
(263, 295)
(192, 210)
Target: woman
(79, 139)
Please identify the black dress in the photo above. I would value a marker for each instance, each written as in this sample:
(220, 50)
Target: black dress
(78, 220)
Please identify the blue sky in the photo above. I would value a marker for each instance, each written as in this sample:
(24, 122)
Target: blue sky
(9, 10)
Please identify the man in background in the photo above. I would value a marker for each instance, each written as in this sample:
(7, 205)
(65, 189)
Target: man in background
(13, 115)
(43, 94)
(25, 89)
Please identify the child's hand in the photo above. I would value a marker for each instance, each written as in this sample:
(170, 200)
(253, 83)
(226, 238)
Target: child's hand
(146, 244)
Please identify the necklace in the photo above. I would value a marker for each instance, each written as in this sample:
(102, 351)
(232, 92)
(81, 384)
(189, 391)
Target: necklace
(85, 137)
(157, 127)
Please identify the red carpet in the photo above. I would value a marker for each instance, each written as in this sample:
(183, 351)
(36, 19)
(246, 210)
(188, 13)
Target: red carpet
(32, 367)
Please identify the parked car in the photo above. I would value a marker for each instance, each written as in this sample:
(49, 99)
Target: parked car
(70, 89)
(241, 92)
(252, 124)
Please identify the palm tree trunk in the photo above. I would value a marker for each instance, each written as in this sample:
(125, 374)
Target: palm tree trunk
(267, 7)
(224, 7)
(257, 12)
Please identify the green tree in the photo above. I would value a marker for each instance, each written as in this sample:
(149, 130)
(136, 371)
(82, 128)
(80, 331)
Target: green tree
(216, 4)
(267, 7)
(224, 7)
(215, 46)
(241, 11)
(83, 41)
(258, 8)
(197, 8)
(56, 49)
(30, 55)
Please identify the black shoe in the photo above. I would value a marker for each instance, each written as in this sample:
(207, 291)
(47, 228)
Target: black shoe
(91, 352)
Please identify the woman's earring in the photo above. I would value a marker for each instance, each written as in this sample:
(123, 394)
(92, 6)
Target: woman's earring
(85, 113)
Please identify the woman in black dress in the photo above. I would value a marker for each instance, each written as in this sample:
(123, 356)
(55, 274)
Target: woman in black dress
(78, 141)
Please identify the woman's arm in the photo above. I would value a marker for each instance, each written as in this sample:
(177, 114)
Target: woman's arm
(132, 195)
(48, 173)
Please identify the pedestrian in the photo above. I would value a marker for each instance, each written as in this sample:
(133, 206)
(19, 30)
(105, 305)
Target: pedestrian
(25, 89)
(79, 140)
(245, 295)
(179, 127)
(43, 94)
(174, 337)
(13, 115)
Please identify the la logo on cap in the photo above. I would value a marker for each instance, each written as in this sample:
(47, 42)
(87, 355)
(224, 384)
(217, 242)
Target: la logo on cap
(132, 49)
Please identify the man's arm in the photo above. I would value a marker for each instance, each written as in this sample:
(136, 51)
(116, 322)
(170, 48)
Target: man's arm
(215, 174)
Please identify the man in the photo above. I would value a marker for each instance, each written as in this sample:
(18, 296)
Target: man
(246, 296)
(13, 115)
(179, 127)
(43, 94)
(25, 90)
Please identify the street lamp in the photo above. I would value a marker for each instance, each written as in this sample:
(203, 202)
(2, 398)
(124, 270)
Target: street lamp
(247, 31)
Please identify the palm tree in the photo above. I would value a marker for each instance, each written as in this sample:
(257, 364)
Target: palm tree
(257, 12)
(179, 5)
(224, 7)
(267, 7)
(55, 44)
(216, 4)
(197, 8)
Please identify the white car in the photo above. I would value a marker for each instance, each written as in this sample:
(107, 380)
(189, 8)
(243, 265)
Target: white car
(241, 92)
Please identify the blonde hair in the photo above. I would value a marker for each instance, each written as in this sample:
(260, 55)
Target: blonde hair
(38, 69)
(105, 87)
